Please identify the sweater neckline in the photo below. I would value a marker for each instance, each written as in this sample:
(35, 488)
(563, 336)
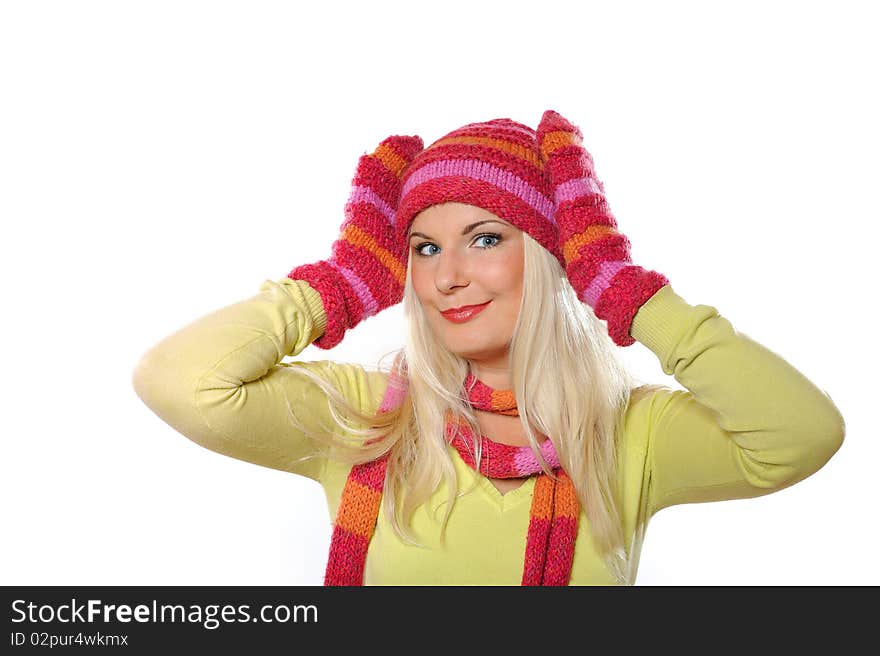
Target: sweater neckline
(502, 502)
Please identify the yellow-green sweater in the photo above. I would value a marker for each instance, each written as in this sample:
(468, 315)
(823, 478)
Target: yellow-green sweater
(749, 424)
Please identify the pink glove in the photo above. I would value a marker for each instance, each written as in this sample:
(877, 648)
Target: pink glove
(597, 256)
(366, 270)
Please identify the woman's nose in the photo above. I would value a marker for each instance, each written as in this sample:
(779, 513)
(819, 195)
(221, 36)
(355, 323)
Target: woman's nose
(451, 272)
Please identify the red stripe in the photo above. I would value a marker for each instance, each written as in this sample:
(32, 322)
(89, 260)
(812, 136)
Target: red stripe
(381, 283)
(631, 288)
(482, 194)
(569, 163)
(560, 551)
(536, 548)
(348, 554)
(501, 159)
(582, 270)
(371, 172)
(575, 216)
(370, 474)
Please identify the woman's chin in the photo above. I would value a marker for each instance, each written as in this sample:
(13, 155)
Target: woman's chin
(475, 353)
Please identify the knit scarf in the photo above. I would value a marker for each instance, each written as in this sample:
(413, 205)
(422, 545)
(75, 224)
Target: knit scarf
(553, 519)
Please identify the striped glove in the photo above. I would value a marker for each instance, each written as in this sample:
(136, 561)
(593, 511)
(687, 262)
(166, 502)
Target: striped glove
(596, 255)
(366, 270)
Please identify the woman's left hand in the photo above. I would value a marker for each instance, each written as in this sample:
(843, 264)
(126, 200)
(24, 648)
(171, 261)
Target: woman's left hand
(596, 256)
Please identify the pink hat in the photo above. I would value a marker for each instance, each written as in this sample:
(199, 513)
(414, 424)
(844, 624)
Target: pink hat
(496, 165)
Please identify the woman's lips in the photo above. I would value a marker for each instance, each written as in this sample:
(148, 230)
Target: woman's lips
(465, 314)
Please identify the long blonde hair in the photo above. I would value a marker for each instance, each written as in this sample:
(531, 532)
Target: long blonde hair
(577, 398)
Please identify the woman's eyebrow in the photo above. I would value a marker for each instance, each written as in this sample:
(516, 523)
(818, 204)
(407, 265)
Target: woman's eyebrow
(468, 228)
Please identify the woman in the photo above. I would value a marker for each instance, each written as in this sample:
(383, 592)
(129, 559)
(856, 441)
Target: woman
(507, 445)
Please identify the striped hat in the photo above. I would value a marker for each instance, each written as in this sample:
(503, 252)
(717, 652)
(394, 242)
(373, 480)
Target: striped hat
(495, 165)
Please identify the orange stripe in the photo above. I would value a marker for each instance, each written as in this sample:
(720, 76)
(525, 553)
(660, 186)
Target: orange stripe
(572, 246)
(356, 509)
(515, 149)
(554, 140)
(390, 159)
(354, 235)
(542, 502)
(567, 504)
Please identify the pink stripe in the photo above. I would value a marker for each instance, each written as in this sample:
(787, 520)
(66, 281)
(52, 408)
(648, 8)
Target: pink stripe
(549, 453)
(394, 393)
(575, 189)
(367, 195)
(600, 283)
(371, 306)
(525, 462)
(485, 173)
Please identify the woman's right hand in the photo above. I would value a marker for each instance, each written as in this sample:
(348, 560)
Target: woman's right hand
(366, 270)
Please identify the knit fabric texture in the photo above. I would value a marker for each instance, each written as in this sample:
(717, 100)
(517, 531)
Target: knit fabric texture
(553, 518)
(366, 270)
(542, 181)
(596, 256)
(495, 165)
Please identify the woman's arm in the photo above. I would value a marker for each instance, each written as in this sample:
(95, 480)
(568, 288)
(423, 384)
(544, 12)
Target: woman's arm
(749, 424)
(220, 381)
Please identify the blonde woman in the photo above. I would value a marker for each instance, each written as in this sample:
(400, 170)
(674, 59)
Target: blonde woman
(506, 445)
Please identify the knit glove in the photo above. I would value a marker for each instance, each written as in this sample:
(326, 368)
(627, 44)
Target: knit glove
(366, 270)
(596, 256)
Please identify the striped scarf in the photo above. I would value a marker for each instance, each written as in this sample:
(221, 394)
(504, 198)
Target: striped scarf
(553, 519)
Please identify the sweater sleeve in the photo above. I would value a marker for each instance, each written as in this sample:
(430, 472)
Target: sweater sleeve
(749, 423)
(221, 382)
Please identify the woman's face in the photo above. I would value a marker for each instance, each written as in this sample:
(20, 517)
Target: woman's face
(464, 255)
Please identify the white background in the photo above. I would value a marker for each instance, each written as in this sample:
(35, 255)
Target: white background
(159, 160)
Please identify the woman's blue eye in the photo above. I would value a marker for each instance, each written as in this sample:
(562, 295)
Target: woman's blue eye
(498, 237)
(418, 249)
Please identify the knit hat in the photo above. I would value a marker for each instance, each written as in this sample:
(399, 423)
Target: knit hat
(496, 165)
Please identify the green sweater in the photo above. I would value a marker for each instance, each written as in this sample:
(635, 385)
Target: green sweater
(749, 424)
